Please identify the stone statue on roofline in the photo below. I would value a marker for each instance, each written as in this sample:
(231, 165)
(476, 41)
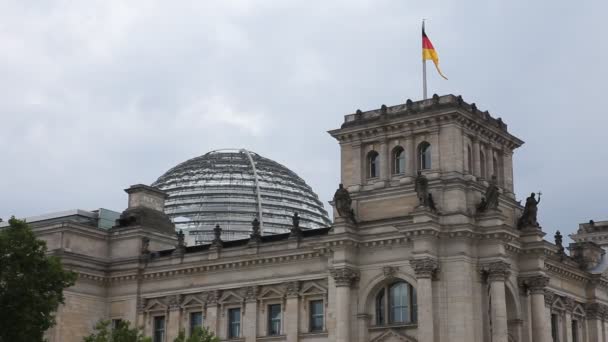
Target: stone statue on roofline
(529, 216)
(343, 203)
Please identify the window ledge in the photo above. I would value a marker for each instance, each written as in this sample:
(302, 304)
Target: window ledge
(271, 338)
(393, 326)
(313, 334)
(238, 339)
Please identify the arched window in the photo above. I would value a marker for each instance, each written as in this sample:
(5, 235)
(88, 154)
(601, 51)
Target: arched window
(424, 156)
(398, 160)
(373, 164)
(399, 305)
(482, 163)
(469, 159)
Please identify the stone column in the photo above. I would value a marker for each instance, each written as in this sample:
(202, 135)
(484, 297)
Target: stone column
(497, 274)
(385, 161)
(507, 164)
(540, 327)
(212, 316)
(489, 162)
(424, 269)
(250, 314)
(291, 318)
(410, 156)
(569, 302)
(358, 165)
(344, 278)
(363, 321)
(476, 163)
(173, 322)
(594, 321)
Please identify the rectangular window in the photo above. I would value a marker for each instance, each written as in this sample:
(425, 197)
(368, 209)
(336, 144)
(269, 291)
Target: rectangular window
(554, 330)
(196, 320)
(274, 319)
(159, 329)
(116, 322)
(316, 315)
(574, 331)
(234, 323)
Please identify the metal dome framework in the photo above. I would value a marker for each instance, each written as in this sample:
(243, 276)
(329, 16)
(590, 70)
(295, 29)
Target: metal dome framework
(231, 187)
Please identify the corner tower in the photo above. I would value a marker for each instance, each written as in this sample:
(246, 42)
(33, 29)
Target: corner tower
(457, 147)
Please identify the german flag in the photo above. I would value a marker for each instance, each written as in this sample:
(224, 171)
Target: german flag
(429, 53)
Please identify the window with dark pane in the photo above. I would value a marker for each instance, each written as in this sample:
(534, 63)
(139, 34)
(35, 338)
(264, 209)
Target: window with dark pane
(316, 315)
(159, 329)
(274, 319)
(234, 322)
(424, 156)
(398, 160)
(373, 164)
(398, 302)
(196, 320)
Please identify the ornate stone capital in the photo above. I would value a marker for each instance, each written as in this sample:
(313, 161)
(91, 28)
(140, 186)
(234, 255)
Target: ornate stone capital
(213, 297)
(251, 293)
(292, 289)
(498, 271)
(425, 267)
(173, 301)
(389, 271)
(344, 276)
(549, 297)
(535, 284)
(570, 303)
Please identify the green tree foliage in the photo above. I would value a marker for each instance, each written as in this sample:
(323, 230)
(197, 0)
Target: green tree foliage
(31, 284)
(121, 333)
(198, 335)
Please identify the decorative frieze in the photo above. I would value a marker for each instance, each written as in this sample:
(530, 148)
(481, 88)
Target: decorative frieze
(424, 267)
(549, 297)
(344, 276)
(292, 289)
(213, 297)
(173, 301)
(251, 293)
(389, 271)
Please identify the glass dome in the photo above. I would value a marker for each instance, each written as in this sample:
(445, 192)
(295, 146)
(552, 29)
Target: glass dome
(230, 188)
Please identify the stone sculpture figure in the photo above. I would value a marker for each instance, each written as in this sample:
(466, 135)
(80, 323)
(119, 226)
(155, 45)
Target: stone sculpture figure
(217, 236)
(422, 188)
(343, 203)
(256, 234)
(145, 245)
(528, 217)
(181, 240)
(296, 220)
(490, 199)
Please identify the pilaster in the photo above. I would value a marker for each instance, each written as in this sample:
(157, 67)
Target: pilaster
(540, 327)
(425, 269)
(344, 278)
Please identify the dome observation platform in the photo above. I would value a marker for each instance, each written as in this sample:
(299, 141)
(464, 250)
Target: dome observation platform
(231, 187)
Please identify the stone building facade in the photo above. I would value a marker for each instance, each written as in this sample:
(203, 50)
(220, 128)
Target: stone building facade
(426, 245)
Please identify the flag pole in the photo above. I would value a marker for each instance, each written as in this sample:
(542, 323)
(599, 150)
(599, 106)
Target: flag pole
(424, 96)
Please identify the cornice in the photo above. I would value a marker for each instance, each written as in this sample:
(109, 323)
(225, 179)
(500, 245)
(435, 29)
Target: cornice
(567, 272)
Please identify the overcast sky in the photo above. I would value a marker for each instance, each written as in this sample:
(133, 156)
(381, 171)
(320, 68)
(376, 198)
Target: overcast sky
(98, 95)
